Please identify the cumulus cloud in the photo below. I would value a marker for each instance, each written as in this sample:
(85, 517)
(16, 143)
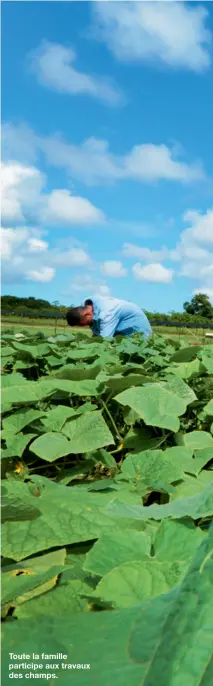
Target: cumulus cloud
(76, 257)
(94, 163)
(194, 250)
(145, 254)
(10, 240)
(61, 207)
(152, 273)
(152, 162)
(36, 245)
(23, 198)
(19, 253)
(114, 269)
(53, 65)
(201, 226)
(89, 284)
(21, 248)
(193, 253)
(21, 188)
(43, 275)
(172, 33)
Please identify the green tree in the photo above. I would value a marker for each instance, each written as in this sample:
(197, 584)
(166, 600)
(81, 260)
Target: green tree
(199, 305)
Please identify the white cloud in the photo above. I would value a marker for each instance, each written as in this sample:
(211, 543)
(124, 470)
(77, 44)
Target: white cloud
(152, 162)
(21, 188)
(43, 275)
(194, 250)
(23, 199)
(201, 229)
(89, 284)
(10, 241)
(53, 65)
(76, 257)
(20, 249)
(36, 245)
(114, 269)
(153, 273)
(19, 253)
(172, 33)
(26, 256)
(208, 271)
(145, 254)
(61, 207)
(94, 163)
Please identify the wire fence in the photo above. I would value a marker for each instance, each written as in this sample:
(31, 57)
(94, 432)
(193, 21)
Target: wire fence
(62, 316)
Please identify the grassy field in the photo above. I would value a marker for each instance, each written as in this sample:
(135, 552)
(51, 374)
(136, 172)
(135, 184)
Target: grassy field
(48, 328)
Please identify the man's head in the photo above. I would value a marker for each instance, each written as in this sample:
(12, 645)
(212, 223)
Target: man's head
(80, 316)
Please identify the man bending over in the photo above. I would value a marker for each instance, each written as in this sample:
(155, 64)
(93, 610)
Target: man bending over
(109, 317)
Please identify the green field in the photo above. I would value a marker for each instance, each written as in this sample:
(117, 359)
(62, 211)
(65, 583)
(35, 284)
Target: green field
(107, 509)
(47, 327)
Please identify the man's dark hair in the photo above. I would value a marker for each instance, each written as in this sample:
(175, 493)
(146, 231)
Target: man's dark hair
(74, 315)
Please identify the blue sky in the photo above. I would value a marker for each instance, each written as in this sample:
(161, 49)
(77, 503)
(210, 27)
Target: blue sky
(107, 151)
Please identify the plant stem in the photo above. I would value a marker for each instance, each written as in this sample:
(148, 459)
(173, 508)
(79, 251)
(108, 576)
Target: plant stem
(118, 435)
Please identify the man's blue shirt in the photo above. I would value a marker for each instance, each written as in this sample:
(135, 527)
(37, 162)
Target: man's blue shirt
(112, 316)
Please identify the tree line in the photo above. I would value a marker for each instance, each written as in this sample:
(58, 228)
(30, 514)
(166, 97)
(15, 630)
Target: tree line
(198, 310)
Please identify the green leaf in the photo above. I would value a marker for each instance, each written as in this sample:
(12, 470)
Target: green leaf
(200, 505)
(208, 409)
(86, 353)
(186, 354)
(54, 361)
(74, 473)
(7, 351)
(14, 379)
(104, 458)
(192, 486)
(16, 445)
(155, 405)
(178, 386)
(87, 387)
(141, 439)
(88, 432)
(208, 363)
(176, 631)
(35, 391)
(57, 417)
(156, 465)
(60, 601)
(198, 440)
(38, 563)
(77, 515)
(18, 420)
(16, 508)
(23, 392)
(70, 371)
(176, 540)
(88, 630)
(33, 351)
(177, 636)
(185, 370)
(119, 383)
(136, 581)
(112, 549)
(51, 446)
(15, 587)
(201, 458)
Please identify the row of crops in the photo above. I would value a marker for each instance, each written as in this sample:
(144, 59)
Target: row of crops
(107, 504)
